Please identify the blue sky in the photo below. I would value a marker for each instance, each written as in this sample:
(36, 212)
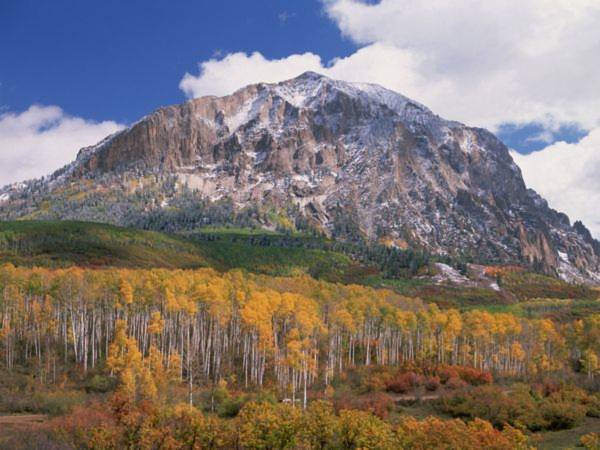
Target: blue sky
(119, 60)
(72, 72)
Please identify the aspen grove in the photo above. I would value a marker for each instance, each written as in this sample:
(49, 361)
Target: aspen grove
(289, 333)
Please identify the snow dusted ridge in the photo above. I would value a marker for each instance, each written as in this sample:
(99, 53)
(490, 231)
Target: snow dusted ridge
(305, 89)
(83, 156)
(347, 156)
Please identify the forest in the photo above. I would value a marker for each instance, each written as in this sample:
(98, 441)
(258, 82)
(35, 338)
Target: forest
(197, 358)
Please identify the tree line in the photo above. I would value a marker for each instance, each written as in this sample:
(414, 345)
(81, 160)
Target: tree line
(288, 332)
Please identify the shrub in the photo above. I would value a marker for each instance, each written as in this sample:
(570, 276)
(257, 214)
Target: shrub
(377, 403)
(53, 403)
(100, 384)
(435, 433)
(593, 405)
(319, 425)
(562, 415)
(492, 404)
(264, 425)
(455, 383)
(561, 410)
(404, 382)
(591, 441)
(230, 407)
(433, 383)
(59, 402)
(358, 430)
(469, 375)
(446, 373)
(475, 377)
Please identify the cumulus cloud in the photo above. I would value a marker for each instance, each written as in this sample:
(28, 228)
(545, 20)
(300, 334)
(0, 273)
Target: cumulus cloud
(500, 60)
(483, 63)
(567, 176)
(41, 139)
(224, 76)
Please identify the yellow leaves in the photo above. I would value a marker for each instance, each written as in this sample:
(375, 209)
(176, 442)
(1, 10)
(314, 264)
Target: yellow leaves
(171, 303)
(591, 441)
(360, 429)
(590, 363)
(277, 320)
(128, 382)
(257, 313)
(517, 351)
(265, 426)
(123, 352)
(454, 322)
(179, 302)
(303, 312)
(214, 294)
(156, 324)
(125, 292)
(479, 324)
(5, 330)
(174, 367)
(342, 319)
(138, 377)
(147, 384)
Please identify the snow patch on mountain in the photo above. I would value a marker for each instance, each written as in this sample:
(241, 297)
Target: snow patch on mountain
(352, 156)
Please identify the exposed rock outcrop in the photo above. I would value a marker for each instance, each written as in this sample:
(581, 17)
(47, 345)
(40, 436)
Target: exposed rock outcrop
(352, 152)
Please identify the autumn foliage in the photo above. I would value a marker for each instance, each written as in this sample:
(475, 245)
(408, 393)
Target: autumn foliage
(271, 426)
(141, 338)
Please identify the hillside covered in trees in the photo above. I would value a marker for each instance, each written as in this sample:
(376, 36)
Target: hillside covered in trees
(164, 358)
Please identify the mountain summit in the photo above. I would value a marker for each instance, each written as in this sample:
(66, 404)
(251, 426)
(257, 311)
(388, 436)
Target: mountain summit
(354, 160)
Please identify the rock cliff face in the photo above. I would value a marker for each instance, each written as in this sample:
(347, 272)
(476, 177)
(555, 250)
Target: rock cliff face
(352, 158)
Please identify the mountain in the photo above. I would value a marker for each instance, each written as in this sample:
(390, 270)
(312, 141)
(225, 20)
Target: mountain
(352, 160)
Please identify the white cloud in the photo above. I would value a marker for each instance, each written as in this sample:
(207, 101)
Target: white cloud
(224, 76)
(502, 60)
(41, 139)
(567, 176)
(483, 63)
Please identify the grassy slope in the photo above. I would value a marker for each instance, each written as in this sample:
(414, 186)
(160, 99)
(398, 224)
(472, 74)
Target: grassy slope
(66, 243)
(563, 439)
(275, 254)
(59, 244)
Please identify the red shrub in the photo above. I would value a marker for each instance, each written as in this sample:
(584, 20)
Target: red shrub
(376, 403)
(455, 383)
(404, 382)
(432, 383)
(475, 377)
(447, 372)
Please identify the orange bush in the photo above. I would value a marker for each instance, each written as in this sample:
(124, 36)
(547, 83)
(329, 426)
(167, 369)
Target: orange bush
(377, 403)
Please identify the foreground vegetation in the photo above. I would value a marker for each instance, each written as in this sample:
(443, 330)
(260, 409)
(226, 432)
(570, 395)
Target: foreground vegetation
(162, 358)
(230, 338)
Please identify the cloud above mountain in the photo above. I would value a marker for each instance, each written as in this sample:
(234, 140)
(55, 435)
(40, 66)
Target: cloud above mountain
(37, 141)
(567, 176)
(484, 63)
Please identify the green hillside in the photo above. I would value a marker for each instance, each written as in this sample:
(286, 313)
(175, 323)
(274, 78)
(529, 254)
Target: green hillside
(87, 244)
(60, 244)
(66, 243)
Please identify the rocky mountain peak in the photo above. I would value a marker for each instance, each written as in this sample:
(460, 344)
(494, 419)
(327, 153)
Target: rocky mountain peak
(354, 160)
